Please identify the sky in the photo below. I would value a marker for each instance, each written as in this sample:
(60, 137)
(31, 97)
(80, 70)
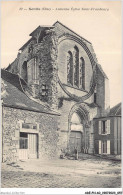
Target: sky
(97, 21)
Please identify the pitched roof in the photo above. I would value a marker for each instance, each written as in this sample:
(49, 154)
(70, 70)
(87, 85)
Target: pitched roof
(116, 110)
(44, 27)
(71, 30)
(15, 97)
(39, 28)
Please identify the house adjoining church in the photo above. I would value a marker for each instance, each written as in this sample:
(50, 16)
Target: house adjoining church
(51, 94)
(107, 139)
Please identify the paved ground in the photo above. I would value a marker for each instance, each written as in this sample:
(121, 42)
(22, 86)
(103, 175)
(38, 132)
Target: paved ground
(62, 173)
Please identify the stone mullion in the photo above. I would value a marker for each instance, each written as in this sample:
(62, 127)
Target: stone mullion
(78, 71)
(71, 70)
(74, 65)
(76, 68)
(83, 75)
(68, 69)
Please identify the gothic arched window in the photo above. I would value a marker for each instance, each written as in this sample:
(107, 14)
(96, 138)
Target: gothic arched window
(76, 66)
(70, 68)
(82, 73)
(24, 71)
(35, 71)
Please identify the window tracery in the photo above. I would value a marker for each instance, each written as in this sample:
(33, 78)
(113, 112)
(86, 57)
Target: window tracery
(75, 69)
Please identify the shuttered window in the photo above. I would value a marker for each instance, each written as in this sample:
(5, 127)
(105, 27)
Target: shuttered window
(104, 127)
(104, 147)
(108, 126)
(100, 147)
(108, 146)
(100, 127)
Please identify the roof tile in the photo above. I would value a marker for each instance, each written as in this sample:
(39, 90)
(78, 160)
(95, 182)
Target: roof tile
(15, 97)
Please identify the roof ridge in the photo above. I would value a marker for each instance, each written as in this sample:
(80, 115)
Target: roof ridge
(71, 31)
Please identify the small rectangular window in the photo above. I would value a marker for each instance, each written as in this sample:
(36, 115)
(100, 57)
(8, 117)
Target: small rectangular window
(28, 126)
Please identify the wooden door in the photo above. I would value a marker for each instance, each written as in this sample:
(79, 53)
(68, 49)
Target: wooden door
(33, 145)
(75, 141)
(23, 154)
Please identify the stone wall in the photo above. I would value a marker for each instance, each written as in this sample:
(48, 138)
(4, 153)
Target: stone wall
(102, 90)
(49, 67)
(48, 133)
(107, 96)
(45, 53)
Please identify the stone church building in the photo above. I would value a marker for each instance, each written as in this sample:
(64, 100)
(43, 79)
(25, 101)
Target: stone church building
(51, 93)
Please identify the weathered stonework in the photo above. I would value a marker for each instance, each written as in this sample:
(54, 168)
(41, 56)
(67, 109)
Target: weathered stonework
(48, 133)
(49, 68)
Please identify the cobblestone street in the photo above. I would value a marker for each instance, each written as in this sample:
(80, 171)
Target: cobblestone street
(87, 173)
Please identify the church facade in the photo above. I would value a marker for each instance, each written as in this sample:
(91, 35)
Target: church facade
(59, 69)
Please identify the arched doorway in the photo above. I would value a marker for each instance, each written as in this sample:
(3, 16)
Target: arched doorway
(79, 128)
(76, 133)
